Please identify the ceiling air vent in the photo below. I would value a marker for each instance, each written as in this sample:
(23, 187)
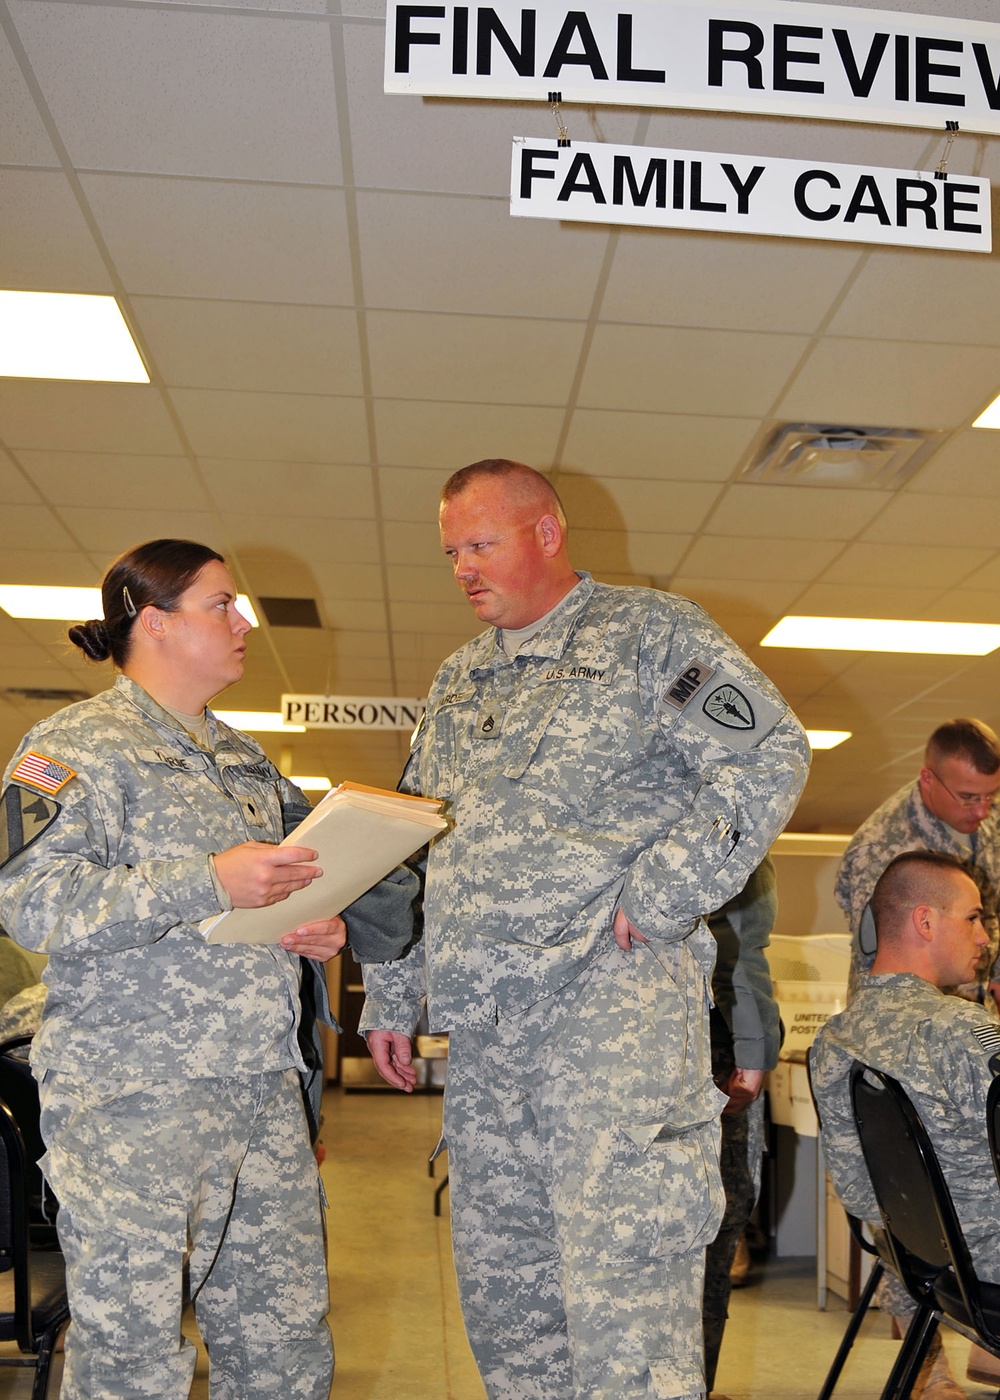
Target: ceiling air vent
(291, 612)
(819, 454)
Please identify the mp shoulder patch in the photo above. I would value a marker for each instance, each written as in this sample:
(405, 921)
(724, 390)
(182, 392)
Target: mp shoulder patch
(723, 705)
(24, 816)
(40, 771)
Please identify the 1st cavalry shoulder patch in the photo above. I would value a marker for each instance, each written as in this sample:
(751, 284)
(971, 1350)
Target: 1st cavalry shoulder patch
(42, 772)
(23, 817)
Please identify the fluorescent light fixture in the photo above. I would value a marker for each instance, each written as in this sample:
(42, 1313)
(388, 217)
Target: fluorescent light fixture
(884, 634)
(990, 416)
(72, 604)
(826, 738)
(312, 784)
(60, 335)
(259, 721)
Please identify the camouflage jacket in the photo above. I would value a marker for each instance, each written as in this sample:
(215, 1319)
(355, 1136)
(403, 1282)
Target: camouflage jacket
(903, 823)
(108, 871)
(629, 755)
(940, 1048)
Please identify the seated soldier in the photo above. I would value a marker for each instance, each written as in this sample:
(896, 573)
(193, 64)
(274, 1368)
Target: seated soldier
(929, 932)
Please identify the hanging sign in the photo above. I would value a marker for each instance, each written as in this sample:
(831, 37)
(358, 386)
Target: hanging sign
(352, 711)
(760, 56)
(597, 183)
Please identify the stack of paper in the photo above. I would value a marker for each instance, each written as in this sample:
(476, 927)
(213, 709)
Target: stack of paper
(359, 834)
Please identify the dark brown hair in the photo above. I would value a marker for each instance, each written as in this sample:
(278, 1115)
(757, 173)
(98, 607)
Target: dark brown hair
(156, 573)
(965, 738)
(912, 878)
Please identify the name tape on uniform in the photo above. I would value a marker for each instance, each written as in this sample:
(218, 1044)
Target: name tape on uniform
(835, 62)
(660, 188)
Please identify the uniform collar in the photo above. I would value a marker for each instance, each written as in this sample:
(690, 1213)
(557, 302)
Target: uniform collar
(134, 694)
(550, 642)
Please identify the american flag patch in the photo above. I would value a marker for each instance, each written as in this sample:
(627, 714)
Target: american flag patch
(988, 1036)
(42, 772)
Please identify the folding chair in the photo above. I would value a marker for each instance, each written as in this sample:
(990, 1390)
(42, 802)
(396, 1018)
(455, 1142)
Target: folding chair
(33, 1305)
(19, 1090)
(921, 1239)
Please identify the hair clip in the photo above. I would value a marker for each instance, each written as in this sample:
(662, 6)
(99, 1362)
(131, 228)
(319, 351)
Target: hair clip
(130, 607)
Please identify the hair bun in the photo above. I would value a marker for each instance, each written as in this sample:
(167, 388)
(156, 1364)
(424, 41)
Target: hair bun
(92, 638)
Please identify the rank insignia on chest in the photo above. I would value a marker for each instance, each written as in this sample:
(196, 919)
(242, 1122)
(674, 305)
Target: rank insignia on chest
(489, 722)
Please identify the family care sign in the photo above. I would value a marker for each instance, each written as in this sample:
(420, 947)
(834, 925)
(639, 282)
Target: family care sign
(597, 183)
(352, 711)
(763, 56)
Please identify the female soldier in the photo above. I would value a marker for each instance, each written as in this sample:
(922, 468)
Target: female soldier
(169, 1069)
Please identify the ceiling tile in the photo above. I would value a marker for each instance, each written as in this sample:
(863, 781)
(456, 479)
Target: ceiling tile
(726, 598)
(465, 254)
(89, 478)
(866, 600)
(186, 92)
(967, 463)
(732, 557)
(417, 585)
(620, 502)
(492, 359)
(268, 544)
(317, 489)
(959, 520)
(111, 532)
(413, 542)
(760, 284)
(794, 512)
(51, 566)
(657, 369)
(664, 446)
(881, 303)
(23, 139)
(450, 435)
(888, 563)
(16, 481)
(966, 605)
(296, 427)
(891, 384)
(64, 416)
(46, 245)
(411, 494)
(224, 239)
(252, 346)
(620, 551)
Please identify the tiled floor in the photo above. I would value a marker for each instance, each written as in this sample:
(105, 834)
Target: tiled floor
(395, 1316)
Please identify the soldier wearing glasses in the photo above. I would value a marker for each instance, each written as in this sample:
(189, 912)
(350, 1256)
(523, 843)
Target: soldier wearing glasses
(949, 808)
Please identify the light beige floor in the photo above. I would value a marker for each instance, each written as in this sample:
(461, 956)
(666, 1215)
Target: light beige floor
(395, 1315)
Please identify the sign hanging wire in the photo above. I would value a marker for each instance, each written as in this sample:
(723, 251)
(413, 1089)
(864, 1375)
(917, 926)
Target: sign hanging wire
(562, 134)
(941, 169)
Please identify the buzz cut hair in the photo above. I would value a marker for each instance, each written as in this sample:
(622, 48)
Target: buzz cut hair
(911, 879)
(965, 738)
(525, 483)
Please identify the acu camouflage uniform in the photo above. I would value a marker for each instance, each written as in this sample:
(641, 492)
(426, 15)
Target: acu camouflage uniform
(170, 1069)
(941, 1049)
(628, 756)
(746, 1032)
(901, 824)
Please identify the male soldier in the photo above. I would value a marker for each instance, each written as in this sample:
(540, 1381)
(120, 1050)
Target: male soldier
(929, 919)
(616, 768)
(746, 1038)
(949, 808)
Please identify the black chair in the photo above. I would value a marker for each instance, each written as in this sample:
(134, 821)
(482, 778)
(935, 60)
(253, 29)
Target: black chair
(33, 1305)
(921, 1239)
(860, 1312)
(19, 1090)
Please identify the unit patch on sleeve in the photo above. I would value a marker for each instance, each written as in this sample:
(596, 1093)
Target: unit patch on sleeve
(23, 818)
(723, 705)
(42, 772)
(988, 1037)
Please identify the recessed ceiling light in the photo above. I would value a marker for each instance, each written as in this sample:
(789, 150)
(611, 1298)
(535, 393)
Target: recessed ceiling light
(826, 738)
(990, 416)
(312, 784)
(72, 604)
(259, 721)
(884, 634)
(60, 335)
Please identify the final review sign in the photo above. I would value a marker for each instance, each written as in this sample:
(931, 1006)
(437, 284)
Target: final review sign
(597, 183)
(762, 56)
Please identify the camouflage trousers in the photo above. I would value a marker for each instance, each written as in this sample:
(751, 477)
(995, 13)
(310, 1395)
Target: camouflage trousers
(583, 1152)
(740, 1159)
(200, 1187)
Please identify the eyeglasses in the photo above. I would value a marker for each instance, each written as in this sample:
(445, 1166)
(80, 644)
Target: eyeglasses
(968, 799)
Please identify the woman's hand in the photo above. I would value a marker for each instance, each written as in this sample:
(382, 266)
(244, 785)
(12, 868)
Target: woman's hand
(255, 874)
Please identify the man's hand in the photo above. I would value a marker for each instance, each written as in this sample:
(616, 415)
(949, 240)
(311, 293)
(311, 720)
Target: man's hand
(255, 874)
(323, 939)
(742, 1086)
(626, 934)
(393, 1056)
